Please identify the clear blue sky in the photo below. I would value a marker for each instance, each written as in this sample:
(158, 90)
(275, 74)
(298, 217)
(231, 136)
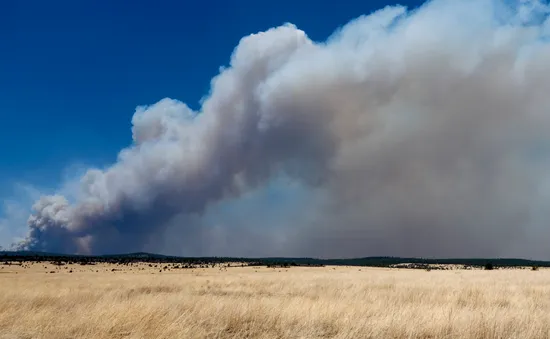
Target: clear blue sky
(72, 72)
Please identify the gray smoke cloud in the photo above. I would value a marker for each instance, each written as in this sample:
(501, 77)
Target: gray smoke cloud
(407, 133)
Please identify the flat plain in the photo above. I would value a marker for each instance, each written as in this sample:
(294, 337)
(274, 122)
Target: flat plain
(142, 300)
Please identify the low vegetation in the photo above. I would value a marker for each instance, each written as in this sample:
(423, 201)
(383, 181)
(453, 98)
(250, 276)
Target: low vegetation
(148, 300)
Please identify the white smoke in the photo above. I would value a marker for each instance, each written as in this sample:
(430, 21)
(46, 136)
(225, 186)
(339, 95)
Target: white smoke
(417, 133)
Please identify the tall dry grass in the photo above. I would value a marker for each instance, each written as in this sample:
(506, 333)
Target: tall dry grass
(273, 303)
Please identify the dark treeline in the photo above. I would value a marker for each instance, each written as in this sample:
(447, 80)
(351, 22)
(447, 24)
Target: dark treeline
(270, 262)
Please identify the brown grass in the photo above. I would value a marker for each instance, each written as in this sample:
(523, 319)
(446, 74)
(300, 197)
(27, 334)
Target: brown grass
(341, 302)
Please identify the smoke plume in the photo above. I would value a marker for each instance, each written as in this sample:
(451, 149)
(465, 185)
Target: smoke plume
(406, 133)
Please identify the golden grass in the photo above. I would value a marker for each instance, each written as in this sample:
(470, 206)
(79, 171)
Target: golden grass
(340, 302)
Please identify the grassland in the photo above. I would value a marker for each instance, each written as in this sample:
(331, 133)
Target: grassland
(142, 301)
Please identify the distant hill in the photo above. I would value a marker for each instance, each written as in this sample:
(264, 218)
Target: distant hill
(367, 261)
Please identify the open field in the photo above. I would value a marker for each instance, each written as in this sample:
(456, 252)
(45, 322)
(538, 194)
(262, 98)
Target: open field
(142, 301)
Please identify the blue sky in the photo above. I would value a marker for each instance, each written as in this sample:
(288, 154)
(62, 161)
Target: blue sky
(72, 72)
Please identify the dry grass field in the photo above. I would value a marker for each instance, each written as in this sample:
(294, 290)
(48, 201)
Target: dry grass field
(331, 302)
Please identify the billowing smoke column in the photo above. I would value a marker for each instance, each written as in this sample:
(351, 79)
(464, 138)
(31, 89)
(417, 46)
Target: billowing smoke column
(421, 133)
